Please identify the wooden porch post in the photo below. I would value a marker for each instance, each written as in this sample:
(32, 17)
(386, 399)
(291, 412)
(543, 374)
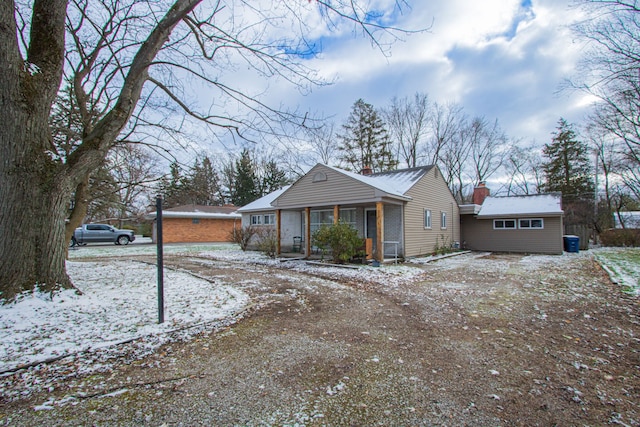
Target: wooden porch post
(379, 231)
(278, 243)
(336, 213)
(307, 232)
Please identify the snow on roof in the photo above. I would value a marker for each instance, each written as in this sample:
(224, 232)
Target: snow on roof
(396, 182)
(539, 204)
(198, 211)
(263, 203)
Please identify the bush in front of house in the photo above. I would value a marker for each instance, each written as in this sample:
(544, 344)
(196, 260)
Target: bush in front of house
(341, 239)
(267, 241)
(621, 237)
(242, 236)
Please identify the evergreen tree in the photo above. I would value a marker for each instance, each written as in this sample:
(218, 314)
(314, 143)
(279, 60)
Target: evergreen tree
(273, 178)
(246, 188)
(365, 142)
(567, 169)
(172, 188)
(203, 185)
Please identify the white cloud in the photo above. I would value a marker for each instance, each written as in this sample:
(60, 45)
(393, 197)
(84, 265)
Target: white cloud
(497, 58)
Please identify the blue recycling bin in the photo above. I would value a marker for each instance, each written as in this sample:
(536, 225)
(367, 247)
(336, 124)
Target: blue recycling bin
(571, 243)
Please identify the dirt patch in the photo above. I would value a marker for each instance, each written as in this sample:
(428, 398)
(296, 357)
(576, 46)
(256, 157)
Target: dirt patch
(474, 340)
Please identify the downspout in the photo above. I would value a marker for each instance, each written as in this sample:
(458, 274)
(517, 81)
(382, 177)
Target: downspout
(452, 226)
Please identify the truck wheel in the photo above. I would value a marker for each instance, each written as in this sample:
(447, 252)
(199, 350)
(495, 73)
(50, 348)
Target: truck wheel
(73, 242)
(122, 240)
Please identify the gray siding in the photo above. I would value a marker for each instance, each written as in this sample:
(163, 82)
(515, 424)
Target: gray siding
(478, 234)
(337, 189)
(431, 192)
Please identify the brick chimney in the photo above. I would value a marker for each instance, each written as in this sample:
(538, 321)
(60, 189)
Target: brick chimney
(480, 193)
(366, 171)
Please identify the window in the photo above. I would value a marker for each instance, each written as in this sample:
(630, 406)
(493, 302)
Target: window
(98, 227)
(427, 218)
(263, 219)
(443, 220)
(504, 224)
(531, 223)
(319, 218)
(348, 216)
(319, 177)
(195, 220)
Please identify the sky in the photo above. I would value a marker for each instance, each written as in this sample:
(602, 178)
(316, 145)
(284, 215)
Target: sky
(501, 59)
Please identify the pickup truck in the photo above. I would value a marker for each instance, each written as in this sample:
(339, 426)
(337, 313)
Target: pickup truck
(93, 233)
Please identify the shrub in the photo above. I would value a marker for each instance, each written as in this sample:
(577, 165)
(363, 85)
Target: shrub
(242, 236)
(341, 239)
(629, 237)
(145, 229)
(267, 241)
(444, 248)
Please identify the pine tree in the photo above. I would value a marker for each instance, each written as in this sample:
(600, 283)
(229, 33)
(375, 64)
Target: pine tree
(273, 178)
(246, 188)
(567, 169)
(172, 188)
(203, 184)
(365, 140)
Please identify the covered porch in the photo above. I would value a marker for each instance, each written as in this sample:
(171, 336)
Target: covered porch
(378, 223)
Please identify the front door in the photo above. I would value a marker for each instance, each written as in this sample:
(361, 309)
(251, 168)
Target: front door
(371, 227)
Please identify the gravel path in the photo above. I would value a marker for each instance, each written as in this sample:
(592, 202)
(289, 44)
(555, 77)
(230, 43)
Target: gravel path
(482, 340)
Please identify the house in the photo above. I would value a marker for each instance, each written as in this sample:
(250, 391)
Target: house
(405, 212)
(195, 223)
(528, 224)
(630, 219)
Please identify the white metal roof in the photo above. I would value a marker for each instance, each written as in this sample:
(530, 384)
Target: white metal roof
(198, 211)
(539, 204)
(192, 214)
(395, 183)
(263, 203)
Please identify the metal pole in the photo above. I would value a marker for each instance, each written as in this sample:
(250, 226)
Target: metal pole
(160, 259)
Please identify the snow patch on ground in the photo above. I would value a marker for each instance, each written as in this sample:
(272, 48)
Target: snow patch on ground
(624, 263)
(119, 297)
(118, 303)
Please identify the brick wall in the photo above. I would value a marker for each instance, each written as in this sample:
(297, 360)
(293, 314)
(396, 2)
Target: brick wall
(183, 230)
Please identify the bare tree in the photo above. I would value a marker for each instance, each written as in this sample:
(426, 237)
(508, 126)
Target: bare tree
(445, 122)
(135, 172)
(453, 159)
(488, 148)
(610, 70)
(407, 121)
(523, 167)
(324, 143)
(121, 57)
(318, 144)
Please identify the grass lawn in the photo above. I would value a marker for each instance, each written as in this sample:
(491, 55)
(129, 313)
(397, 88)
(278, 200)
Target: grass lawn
(625, 265)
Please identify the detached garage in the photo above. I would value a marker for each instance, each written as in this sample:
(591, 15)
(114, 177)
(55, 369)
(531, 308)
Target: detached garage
(529, 224)
(195, 223)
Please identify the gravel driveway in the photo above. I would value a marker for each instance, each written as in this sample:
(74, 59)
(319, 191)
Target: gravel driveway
(478, 340)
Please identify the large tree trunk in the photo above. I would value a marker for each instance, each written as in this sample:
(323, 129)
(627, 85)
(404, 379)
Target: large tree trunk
(31, 194)
(33, 199)
(79, 210)
(36, 184)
